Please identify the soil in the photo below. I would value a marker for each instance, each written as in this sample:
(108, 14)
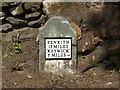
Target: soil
(21, 70)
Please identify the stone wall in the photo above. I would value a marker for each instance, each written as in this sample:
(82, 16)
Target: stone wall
(15, 15)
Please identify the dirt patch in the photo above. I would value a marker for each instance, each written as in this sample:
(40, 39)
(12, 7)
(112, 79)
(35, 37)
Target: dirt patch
(20, 70)
(30, 77)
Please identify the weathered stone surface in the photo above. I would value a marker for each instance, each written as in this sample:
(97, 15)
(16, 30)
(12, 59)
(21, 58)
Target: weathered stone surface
(33, 16)
(17, 23)
(47, 5)
(18, 10)
(14, 3)
(8, 4)
(37, 23)
(57, 27)
(4, 4)
(2, 15)
(34, 6)
(6, 27)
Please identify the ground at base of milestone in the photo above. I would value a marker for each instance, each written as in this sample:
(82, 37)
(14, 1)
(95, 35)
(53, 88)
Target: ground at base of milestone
(20, 56)
(30, 77)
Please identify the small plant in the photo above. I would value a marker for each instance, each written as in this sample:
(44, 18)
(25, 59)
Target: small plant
(16, 43)
(17, 48)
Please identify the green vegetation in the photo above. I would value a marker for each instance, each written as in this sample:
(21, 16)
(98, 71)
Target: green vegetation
(17, 48)
(16, 44)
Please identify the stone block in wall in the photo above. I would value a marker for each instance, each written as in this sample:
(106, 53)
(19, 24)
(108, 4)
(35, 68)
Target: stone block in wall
(38, 23)
(32, 6)
(18, 10)
(17, 23)
(6, 27)
(33, 16)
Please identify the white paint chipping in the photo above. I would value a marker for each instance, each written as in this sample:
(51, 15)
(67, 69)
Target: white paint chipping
(57, 65)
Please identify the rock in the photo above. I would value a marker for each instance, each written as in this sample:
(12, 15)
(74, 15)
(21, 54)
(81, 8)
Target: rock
(47, 4)
(84, 27)
(2, 15)
(15, 83)
(109, 83)
(18, 10)
(17, 23)
(29, 76)
(38, 23)
(4, 4)
(32, 6)
(18, 67)
(6, 27)
(8, 4)
(32, 16)
(14, 3)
